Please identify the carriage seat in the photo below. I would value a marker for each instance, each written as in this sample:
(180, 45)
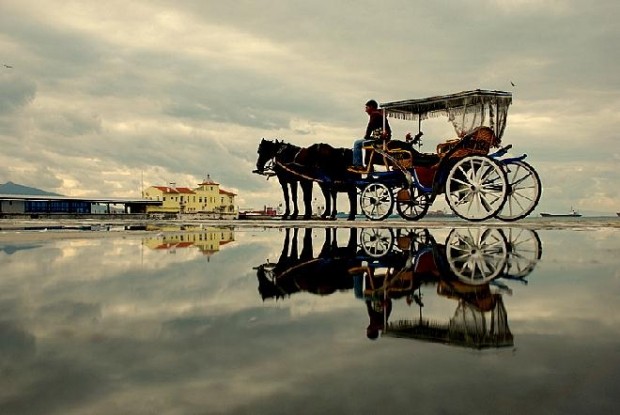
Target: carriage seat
(402, 151)
(477, 141)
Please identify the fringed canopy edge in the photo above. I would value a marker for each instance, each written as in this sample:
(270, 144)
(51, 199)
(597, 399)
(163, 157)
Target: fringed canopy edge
(414, 109)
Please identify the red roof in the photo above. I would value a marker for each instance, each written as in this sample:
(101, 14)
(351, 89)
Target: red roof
(168, 189)
(185, 190)
(226, 192)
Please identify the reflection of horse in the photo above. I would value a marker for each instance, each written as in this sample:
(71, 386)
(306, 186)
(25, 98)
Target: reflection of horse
(285, 153)
(321, 163)
(323, 274)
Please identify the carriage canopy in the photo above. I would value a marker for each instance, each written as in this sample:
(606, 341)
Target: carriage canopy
(465, 110)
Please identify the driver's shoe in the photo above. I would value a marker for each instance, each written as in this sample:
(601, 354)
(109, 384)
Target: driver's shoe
(357, 169)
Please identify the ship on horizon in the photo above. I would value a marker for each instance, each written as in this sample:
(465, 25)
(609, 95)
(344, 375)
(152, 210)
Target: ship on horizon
(572, 214)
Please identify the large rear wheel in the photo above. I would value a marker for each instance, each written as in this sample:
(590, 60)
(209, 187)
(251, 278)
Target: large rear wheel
(476, 188)
(376, 201)
(524, 190)
(476, 255)
(524, 252)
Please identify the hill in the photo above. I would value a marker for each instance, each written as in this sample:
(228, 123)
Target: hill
(11, 188)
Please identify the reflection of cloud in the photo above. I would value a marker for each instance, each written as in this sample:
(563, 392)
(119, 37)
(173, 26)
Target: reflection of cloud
(15, 343)
(11, 249)
(194, 336)
(71, 312)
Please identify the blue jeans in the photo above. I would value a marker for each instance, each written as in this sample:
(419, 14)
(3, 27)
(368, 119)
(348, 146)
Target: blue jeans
(357, 151)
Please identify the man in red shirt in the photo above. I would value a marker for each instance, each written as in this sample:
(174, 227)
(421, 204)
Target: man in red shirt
(378, 129)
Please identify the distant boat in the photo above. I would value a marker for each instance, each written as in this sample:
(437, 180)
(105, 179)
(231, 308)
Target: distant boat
(268, 212)
(572, 214)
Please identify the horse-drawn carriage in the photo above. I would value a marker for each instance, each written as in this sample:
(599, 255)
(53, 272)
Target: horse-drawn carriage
(477, 185)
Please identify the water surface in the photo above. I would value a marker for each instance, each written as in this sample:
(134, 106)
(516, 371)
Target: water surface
(237, 321)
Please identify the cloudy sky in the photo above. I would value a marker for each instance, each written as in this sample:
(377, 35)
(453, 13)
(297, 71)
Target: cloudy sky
(102, 98)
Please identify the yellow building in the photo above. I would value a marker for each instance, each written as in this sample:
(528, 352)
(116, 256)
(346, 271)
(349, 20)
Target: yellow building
(207, 198)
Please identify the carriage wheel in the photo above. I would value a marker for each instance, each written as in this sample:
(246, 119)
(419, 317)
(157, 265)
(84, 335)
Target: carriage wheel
(376, 201)
(412, 204)
(524, 251)
(417, 239)
(524, 190)
(476, 188)
(476, 256)
(377, 242)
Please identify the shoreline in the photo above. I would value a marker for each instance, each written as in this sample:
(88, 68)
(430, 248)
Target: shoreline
(33, 230)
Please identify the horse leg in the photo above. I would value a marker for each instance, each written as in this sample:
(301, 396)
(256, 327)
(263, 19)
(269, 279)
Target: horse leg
(294, 251)
(326, 194)
(307, 250)
(352, 242)
(287, 210)
(334, 210)
(284, 254)
(306, 190)
(293, 185)
(326, 250)
(352, 193)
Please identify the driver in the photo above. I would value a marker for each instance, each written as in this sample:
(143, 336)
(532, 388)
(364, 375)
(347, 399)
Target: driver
(374, 131)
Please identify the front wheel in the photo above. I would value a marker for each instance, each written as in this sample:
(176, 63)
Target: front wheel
(412, 204)
(376, 201)
(476, 188)
(524, 190)
(377, 242)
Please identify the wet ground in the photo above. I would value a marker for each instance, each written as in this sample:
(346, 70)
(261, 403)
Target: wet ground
(310, 317)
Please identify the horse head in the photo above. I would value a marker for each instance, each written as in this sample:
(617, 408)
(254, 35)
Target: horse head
(267, 150)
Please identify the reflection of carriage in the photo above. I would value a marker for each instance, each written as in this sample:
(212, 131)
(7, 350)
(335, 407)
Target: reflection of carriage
(468, 268)
(473, 256)
(477, 185)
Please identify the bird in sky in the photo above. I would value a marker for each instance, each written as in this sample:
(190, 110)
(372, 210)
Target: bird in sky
(512, 83)
(7, 66)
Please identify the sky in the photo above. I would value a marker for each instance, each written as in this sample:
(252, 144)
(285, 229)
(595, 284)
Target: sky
(107, 98)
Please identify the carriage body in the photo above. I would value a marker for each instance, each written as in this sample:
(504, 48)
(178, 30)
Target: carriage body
(467, 267)
(475, 184)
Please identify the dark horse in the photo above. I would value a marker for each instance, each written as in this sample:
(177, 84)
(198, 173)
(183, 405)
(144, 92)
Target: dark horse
(321, 163)
(329, 165)
(284, 154)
